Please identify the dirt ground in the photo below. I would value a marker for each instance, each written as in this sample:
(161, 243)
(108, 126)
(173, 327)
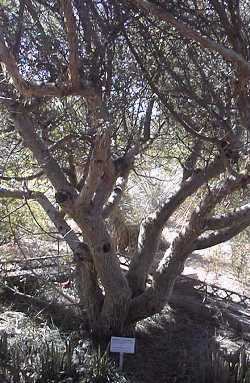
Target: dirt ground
(175, 348)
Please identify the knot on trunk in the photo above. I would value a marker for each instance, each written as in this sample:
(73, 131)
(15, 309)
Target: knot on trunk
(63, 196)
(106, 247)
(82, 253)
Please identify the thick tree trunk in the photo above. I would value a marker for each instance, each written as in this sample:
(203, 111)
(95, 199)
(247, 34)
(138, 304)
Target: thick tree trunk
(90, 294)
(110, 317)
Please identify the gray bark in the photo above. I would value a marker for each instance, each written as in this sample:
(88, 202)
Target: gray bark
(172, 264)
(117, 293)
(223, 235)
(152, 227)
(188, 33)
(43, 156)
(221, 221)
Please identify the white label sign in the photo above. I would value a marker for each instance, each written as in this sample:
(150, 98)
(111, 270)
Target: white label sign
(122, 345)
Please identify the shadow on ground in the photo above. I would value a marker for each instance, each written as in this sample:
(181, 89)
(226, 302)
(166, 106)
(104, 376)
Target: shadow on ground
(175, 348)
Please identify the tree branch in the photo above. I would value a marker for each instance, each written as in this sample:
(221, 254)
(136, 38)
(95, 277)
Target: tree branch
(190, 163)
(147, 120)
(98, 162)
(221, 236)
(24, 178)
(172, 264)
(25, 128)
(105, 186)
(16, 194)
(91, 296)
(33, 89)
(188, 33)
(189, 126)
(116, 195)
(70, 24)
(152, 226)
(224, 220)
(19, 29)
(123, 166)
(84, 17)
(63, 228)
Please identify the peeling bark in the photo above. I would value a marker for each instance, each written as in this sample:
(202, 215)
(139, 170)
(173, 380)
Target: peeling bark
(98, 161)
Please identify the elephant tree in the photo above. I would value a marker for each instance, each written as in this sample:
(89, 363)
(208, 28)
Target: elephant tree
(91, 88)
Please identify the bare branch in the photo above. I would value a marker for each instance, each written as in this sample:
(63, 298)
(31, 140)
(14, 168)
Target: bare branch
(190, 34)
(189, 165)
(187, 188)
(42, 154)
(147, 120)
(123, 165)
(61, 225)
(221, 221)
(221, 236)
(16, 194)
(172, 264)
(198, 218)
(71, 29)
(18, 34)
(80, 250)
(91, 293)
(228, 226)
(188, 125)
(24, 178)
(116, 196)
(105, 186)
(151, 228)
(84, 17)
(33, 89)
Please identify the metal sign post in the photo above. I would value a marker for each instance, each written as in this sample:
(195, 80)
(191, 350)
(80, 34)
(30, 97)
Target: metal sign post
(121, 357)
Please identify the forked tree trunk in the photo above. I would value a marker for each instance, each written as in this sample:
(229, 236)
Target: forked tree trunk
(114, 302)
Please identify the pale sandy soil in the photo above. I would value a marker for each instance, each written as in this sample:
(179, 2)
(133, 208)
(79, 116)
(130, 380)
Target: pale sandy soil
(214, 266)
(217, 269)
